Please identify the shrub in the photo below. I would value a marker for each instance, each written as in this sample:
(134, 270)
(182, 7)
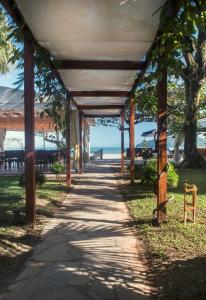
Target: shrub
(57, 169)
(40, 179)
(149, 174)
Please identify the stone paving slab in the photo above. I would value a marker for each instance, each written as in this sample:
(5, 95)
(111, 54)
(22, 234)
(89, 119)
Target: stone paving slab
(87, 251)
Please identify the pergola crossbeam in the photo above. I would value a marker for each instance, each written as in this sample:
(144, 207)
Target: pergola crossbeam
(100, 93)
(87, 107)
(102, 116)
(99, 65)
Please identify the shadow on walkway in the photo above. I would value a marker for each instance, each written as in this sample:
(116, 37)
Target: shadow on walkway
(87, 251)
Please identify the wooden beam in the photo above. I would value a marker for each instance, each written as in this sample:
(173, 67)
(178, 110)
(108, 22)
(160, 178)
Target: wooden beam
(11, 8)
(68, 142)
(80, 142)
(112, 106)
(122, 142)
(100, 93)
(99, 65)
(131, 139)
(101, 116)
(29, 131)
(162, 148)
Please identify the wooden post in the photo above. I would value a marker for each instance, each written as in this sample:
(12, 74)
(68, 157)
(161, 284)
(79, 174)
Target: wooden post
(122, 142)
(84, 142)
(68, 142)
(162, 148)
(80, 141)
(29, 130)
(131, 139)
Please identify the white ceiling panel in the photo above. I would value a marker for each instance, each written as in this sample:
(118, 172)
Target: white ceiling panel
(106, 27)
(97, 80)
(101, 111)
(100, 100)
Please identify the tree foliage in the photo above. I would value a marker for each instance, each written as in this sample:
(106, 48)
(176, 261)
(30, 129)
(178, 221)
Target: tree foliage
(182, 42)
(149, 174)
(6, 46)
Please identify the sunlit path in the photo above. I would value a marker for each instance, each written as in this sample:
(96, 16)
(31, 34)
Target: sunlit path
(87, 251)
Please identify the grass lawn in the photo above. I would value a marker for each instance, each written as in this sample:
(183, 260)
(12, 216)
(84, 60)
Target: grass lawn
(17, 241)
(13, 197)
(177, 253)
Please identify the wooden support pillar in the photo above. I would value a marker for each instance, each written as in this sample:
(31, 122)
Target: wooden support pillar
(162, 148)
(84, 142)
(122, 142)
(80, 142)
(29, 130)
(131, 139)
(68, 142)
(2, 138)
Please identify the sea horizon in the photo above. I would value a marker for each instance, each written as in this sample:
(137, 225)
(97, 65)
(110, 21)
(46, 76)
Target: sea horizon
(107, 150)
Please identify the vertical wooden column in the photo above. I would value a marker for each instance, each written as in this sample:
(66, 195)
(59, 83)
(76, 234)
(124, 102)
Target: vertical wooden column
(84, 142)
(29, 130)
(122, 142)
(162, 148)
(80, 142)
(131, 139)
(68, 142)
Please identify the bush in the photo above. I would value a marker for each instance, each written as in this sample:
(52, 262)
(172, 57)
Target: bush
(40, 179)
(149, 174)
(57, 169)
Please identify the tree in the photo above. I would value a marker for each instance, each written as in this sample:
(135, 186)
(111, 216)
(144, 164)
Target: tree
(183, 47)
(6, 47)
(193, 75)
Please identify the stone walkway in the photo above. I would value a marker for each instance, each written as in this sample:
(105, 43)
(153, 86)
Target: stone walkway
(87, 251)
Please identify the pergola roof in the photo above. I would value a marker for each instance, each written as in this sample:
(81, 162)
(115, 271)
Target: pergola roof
(115, 33)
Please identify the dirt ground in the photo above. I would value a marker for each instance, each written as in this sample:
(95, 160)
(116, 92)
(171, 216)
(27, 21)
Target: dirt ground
(16, 246)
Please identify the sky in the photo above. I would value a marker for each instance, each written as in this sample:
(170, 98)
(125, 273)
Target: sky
(110, 136)
(100, 136)
(9, 79)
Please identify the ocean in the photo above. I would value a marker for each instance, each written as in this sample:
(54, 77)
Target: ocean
(107, 150)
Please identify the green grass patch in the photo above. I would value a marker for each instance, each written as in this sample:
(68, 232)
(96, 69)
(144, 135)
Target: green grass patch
(173, 239)
(177, 253)
(12, 197)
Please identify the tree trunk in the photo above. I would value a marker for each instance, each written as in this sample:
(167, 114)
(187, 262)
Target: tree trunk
(179, 137)
(192, 158)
